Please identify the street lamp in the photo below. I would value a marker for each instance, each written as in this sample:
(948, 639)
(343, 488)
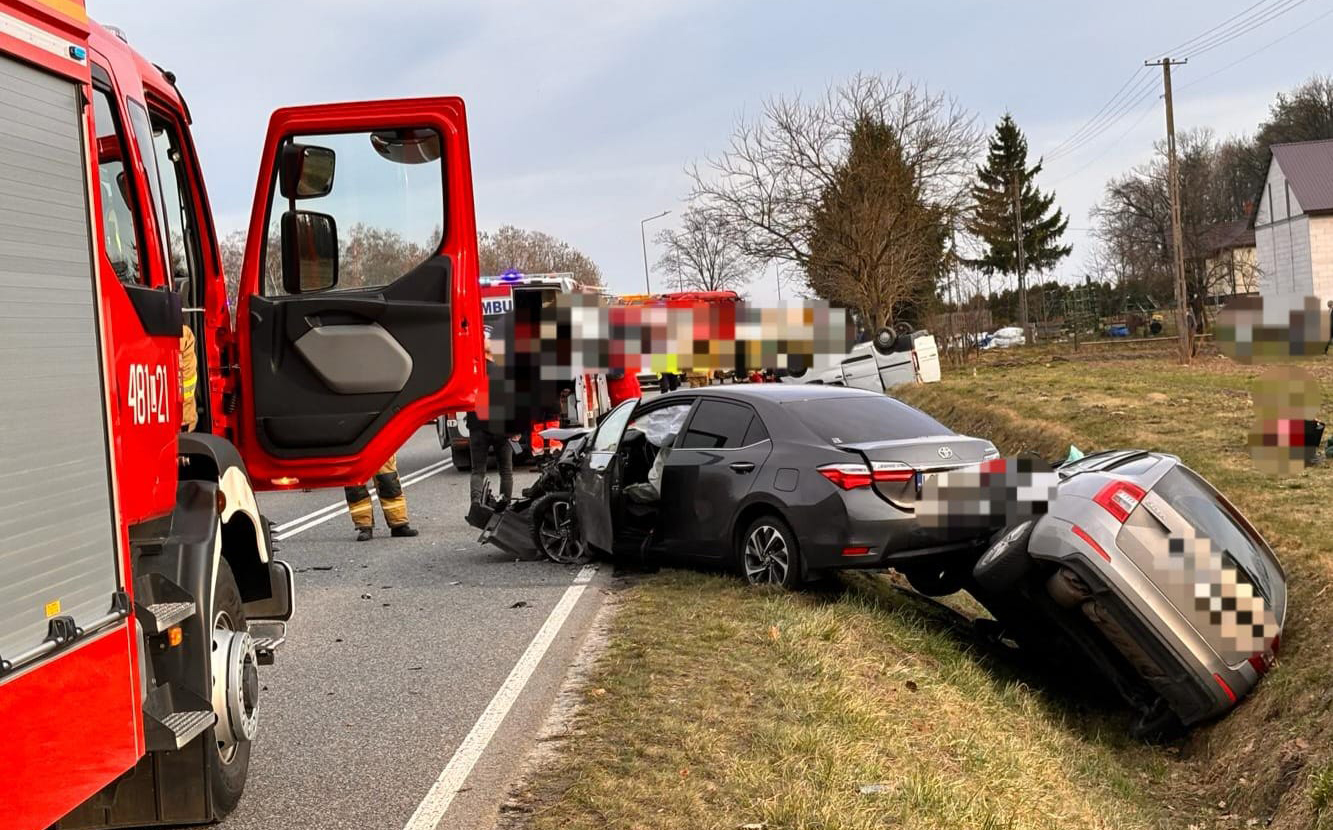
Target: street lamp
(644, 239)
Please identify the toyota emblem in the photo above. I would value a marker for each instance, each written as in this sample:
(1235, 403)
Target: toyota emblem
(945, 452)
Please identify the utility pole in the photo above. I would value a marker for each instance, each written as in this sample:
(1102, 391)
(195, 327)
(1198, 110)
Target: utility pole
(1021, 248)
(1184, 334)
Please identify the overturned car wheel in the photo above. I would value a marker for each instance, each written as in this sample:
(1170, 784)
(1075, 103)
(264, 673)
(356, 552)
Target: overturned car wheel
(555, 530)
(1006, 561)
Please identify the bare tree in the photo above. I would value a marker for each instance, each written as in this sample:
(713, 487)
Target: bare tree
(1133, 222)
(534, 252)
(232, 249)
(772, 186)
(368, 256)
(704, 255)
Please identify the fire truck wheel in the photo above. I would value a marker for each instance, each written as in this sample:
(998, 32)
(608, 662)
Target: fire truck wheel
(235, 694)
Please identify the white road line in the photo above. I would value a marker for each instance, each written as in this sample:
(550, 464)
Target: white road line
(289, 529)
(433, 807)
(337, 505)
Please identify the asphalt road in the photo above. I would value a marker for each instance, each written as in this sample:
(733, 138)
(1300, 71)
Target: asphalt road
(397, 649)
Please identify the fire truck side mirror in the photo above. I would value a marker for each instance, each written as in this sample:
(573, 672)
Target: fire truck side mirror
(309, 251)
(306, 171)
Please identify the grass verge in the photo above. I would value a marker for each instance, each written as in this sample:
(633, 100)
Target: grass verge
(717, 706)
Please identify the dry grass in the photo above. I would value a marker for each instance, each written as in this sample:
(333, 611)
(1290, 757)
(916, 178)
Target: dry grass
(717, 706)
(720, 707)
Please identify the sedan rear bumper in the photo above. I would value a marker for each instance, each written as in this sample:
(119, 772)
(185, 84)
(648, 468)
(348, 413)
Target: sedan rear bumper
(895, 541)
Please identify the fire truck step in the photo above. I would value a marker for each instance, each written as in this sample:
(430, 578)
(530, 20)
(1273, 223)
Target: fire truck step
(160, 616)
(186, 726)
(174, 716)
(160, 603)
(267, 636)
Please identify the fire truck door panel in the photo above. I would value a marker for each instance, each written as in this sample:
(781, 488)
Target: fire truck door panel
(59, 554)
(330, 369)
(337, 371)
(356, 359)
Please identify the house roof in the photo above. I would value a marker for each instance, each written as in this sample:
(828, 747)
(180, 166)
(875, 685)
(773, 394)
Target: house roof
(1227, 236)
(1308, 167)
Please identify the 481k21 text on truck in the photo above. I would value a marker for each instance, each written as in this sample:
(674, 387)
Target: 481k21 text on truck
(139, 592)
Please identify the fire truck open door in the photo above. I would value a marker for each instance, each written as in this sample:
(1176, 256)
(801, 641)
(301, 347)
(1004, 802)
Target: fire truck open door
(353, 332)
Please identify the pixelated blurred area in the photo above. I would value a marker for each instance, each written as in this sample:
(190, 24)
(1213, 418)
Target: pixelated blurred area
(539, 349)
(990, 495)
(1285, 435)
(1285, 446)
(578, 334)
(1272, 329)
(1197, 575)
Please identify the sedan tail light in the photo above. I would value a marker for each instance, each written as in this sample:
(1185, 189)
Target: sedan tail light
(855, 476)
(892, 471)
(1119, 498)
(847, 476)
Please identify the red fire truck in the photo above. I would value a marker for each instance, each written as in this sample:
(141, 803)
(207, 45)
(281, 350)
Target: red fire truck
(139, 588)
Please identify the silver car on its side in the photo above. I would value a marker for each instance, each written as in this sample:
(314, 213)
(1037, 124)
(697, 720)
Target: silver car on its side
(1149, 574)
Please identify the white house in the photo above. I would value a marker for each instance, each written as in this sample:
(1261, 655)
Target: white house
(1293, 226)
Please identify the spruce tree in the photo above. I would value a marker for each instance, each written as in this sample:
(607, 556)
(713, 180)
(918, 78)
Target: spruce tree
(993, 219)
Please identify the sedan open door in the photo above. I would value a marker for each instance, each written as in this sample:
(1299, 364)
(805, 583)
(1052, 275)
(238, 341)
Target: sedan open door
(359, 316)
(597, 485)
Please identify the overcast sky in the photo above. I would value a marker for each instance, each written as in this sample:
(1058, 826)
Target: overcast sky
(583, 113)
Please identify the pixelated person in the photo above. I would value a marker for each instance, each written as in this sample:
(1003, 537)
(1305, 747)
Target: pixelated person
(392, 503)
(491, 435)
(189, 380)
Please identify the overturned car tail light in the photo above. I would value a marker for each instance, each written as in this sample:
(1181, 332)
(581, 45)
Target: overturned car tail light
(1120, 498)
(847, 476)
(1264, 660)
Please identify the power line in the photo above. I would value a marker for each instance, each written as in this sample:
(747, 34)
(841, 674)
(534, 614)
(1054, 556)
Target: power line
(1198, 37)
(1131, 93)
(1077, 133)
(1116, 143)
(1244, 27)
(1263, 48)
(1145, 87)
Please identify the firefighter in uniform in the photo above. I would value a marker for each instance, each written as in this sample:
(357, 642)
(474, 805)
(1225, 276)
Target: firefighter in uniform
(392, 503)
(189, 379)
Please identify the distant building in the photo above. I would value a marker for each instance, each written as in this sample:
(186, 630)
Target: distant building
(1293, 226)
(1230, 257)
